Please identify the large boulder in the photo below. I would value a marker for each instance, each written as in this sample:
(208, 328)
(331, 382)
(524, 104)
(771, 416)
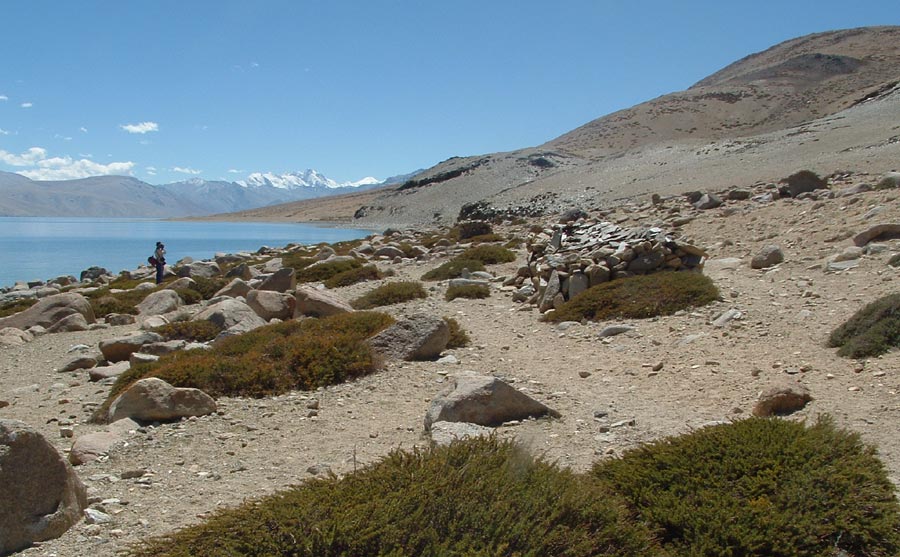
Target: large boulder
(92, 446)
(49, 310)
(768, 256)
(232, 316)
(154, 400)
(483, 400)
(69, 323)
(233, 289)
(318, 303)
(121, 348)
(242, 271)
(203, 269)
(420, 337)
(160, 302)
(281, 280)
(93, 273)
(41, 495)
(271, 305)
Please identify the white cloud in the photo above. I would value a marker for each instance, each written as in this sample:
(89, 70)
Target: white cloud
(26, 105)
(235, 171)
(3, 132)
(150, 170)
(4, 98)
(82, 129)
(63, 137)
(60, 168)
(143, 127)
(28, 158)
(184, 170)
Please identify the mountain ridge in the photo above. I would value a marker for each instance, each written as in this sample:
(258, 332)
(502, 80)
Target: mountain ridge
(127, 196)
(824, 102)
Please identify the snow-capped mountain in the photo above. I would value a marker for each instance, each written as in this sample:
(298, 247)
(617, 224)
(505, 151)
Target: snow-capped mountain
(308, 178)
(126, 196)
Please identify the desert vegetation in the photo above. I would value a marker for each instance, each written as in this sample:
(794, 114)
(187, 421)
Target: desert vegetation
(638, 297)
(389, 294)
(453, 269)
(786, 489)
(871, 331)
(469, 291)
(270, 360)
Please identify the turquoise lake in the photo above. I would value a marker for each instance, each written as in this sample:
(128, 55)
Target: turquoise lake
(41, 248)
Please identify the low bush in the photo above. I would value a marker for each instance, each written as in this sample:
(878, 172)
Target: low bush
(761, 487)
(192, 331)
(471, 229)
(453, 269)
(207, 287)
(11, 308)
(471, 291)
(639, 297)
(270, 360)
(360, 274)
(458, 336)
(189, 295)
(480, 497)
(489, 254)
(871, 331)
(104, 302)
(298, 259)
(390, 293)
(344, 247)
(324, 271)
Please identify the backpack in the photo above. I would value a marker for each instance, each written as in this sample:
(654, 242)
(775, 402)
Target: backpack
(152, 260)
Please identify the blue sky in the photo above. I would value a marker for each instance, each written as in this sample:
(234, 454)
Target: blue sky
(170, 90)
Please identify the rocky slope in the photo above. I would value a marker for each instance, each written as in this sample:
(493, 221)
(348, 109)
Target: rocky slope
(664, 377)
(826, 102)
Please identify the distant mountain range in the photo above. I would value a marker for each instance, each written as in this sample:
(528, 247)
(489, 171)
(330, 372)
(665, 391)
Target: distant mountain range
(125, 196)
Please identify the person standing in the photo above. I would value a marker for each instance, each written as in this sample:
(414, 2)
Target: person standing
(160, 256)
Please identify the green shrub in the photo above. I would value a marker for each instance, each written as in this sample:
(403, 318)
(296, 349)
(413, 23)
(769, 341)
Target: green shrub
(104, 302)
(270, 360)
(189, 295)
(639, 297)
(344, 247)
(193, 331)
(325, 271)
(480, 497)
(471, 291)
(453, 269)
(298, 260)
(458, 336)
(11, 308)
(489, 254)
(207, 287)
(871, 331)
(514, 243)
(761, 487)
(390, 293)
(360, 274)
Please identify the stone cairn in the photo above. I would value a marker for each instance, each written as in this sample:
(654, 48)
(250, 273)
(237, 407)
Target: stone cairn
(567, 259)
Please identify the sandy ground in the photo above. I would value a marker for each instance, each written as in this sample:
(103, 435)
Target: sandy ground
(256, 447)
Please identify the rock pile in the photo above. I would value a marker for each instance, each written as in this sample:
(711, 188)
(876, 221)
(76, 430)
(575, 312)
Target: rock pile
(567, 259)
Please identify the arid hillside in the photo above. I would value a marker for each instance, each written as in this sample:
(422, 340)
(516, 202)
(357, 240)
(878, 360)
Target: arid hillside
(825, 102)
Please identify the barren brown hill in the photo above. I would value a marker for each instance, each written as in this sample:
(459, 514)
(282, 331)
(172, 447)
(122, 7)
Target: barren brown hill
(825, 102)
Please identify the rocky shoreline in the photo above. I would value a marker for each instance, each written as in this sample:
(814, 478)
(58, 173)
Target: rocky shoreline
(610, 391)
